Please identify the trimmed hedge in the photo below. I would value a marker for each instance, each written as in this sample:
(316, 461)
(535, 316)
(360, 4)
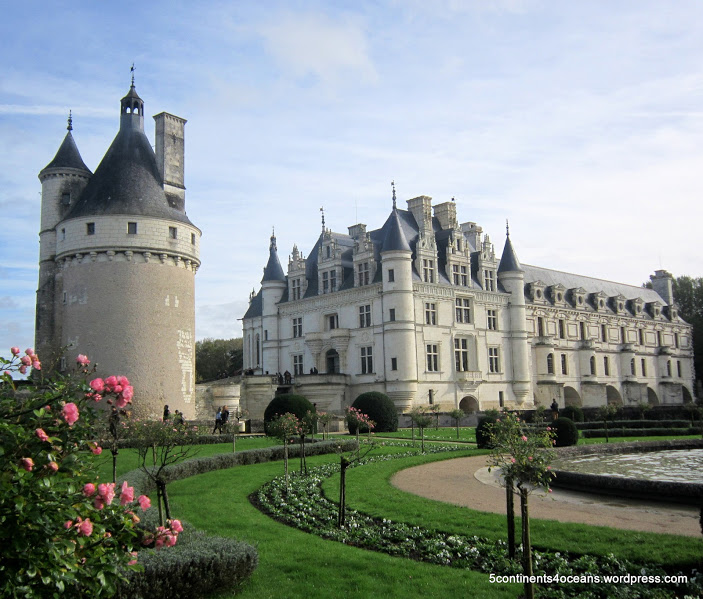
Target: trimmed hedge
(566, 432)
(380, 408)
(635, 424)
(640, 432)
(483, 438)
(573, 413)
(287, 403)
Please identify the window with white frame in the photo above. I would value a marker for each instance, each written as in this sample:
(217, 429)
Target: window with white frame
(364, 274)
(489, 280)
(366, 354)
(430, 313)
(492, 320)
(364, 316)
(455, 274)
(295, 289)
(298, 364)
(550, 364)
(461, 354)
(493, 359)
(332, 321)
(463, 309)
(432, 357)
(428, 270)
(298, 327)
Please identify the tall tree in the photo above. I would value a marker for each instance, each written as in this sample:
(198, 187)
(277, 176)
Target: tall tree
(217, 358)
(688, 293)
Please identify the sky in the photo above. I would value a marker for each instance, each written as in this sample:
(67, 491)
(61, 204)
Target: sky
(580, 122)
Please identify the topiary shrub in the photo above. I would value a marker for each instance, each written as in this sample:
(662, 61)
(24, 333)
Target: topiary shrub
(572, 412)
(285, 403)
(483, 432)
(566, 432)
(380, 408)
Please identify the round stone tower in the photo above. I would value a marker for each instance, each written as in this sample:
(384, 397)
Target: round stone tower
(121, 257)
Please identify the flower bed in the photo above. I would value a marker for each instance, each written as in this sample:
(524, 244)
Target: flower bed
(304, 506)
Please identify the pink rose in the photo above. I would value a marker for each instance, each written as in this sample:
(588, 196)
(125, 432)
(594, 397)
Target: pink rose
(512, 460)
(29, 351)
(144, 502)
(85, 527)
(53, 466)
(70, 413)
(26, 360)
(82, 360)
(23, 369)
(123, 380)
(15, 351)
(98, 503)
(68, 524)
(126, 494)
(107, 492)
(96, 449)
(36, 365)
(176, 526)
(524, 438)
(111, 382)
(41, 434)
(530, 458)
(128, 392)
(133, 561)
(97, 385)
(27, 464)
(121, 402)
(88, 489)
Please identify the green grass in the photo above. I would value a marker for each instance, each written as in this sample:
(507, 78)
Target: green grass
(466, 434)
(369, 491)
(596, 440)
(296, 564)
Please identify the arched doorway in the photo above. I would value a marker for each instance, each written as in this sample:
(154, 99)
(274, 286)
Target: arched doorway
(469, 404)
(613, 395)
(332, 361)
(687, 398)
(652, 398)
(572, 397)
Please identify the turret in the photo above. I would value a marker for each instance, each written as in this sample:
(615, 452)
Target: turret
(512, 278)
(273, 285)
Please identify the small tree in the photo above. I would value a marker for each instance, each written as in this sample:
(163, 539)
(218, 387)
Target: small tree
(345, 461)
(284, 427)
(307, 427)
(237, 414)
(324, 418)
(457, 414)
(435, 410)
(110, 434)
(422, 417)
(606, 413)
(642, 409)
(159, 445)
(356, 421)
(523, 456)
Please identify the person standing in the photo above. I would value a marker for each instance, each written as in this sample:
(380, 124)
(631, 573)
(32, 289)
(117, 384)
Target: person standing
(167, 413)
(218, 421)
(225, 418)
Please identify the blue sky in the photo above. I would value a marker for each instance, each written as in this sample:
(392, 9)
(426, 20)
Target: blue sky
(581, 122)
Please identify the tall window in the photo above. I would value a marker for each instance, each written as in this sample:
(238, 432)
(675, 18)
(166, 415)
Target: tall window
(564, 364)
(295, 289)
(492, 320)
(332, 322)
(606, 365)
(463, 309)
(640, 334)
(394, 363)
(562, 329)
(593, 365)
(391, 314)
(391, 275)
(131, 228)
(623, 335)
(333, 281)
(644, 367)
(90, 228)
(489, 281)
(461, 354)
(298, 364)
(367, 360)
(455, 274)
(325, 282)
(363, 273)
(432, 358)
(603, 333)
(364, 316)
(550, 364)
(430, 313)
(633, 369)
(493, 359)
(298, 327)
(460, 275)
(668, 368)
(678, 368)
(463, 270)
(428, 270)
(173, 232)
(582, 330)
(540, 326)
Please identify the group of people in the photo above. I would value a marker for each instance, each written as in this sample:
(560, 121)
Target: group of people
(177, 416)
(221, 418)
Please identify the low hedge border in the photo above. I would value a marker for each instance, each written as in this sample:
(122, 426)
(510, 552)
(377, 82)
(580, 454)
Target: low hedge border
(597, 424)
(200, 564)
(638, 432)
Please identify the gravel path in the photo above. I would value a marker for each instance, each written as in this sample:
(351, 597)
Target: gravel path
(467, 482)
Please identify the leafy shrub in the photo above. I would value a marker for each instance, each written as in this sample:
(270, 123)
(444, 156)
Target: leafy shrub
(637, 424)
(379, 408)
(287, 403)
(566, 432)
(573, 413)
(483, 432)
(640, 432)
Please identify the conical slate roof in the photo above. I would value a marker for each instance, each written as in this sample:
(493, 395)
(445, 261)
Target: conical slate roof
(395, 239)
(273, 270)
(509, 261)
(67, 156)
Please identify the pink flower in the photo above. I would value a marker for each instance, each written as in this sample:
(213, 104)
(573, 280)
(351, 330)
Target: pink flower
(53, 466)
(29, 351)
(111, 382)
(126, 494)
(524, 438)
(170, 540)
(70, 413)
(144, 502)
(176, 526)
(36, 365)
(123, 380)
(549, 490)
(549, 428)
(96, 449)
(88, 489)
(98, 503)
(530, 458)
(23, 369)
(68, 524)
(133, 561)
(41, 434)
(26, 360)
(121, 402)
(97, 385)
(82, 360)
(549, 467)
(107, 492)
(85, 527)
(27, 464)
(128, 392)
(512, 460)
(15, 351)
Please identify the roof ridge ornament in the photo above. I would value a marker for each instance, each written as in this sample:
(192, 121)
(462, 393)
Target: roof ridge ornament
(322, 211)
(70, 121)
(393, 187)
(507, 228)
(132, 71)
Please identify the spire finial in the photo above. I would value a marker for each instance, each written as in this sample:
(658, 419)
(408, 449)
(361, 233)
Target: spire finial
(272, 246)
(132, 71)
(507, 228)
(393, 187)
(322, 211)
(70, 121)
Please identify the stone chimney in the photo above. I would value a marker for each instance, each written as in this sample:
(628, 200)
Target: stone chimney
(421, 209)
(170, 154)
(445, 213)
(663, 284)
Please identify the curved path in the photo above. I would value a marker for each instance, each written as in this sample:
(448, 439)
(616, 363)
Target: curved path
(467, 482)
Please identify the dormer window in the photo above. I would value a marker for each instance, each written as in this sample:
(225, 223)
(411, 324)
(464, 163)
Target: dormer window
(489, 280)
(428, 270)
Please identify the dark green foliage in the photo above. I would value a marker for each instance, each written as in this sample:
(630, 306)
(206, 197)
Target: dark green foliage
(688, 294)
(287, 403)
(572, 413)
(566, 432)
(636, 424)
(640, 432)
(195, 567)
(217, 358)
(380, 408)
(483, 432)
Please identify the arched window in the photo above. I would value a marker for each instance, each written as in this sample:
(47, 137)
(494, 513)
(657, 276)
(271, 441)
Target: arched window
(550, 364)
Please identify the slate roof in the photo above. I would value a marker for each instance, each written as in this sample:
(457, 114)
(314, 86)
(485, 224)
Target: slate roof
(509, 261)
(67, 156)
(255, 306)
